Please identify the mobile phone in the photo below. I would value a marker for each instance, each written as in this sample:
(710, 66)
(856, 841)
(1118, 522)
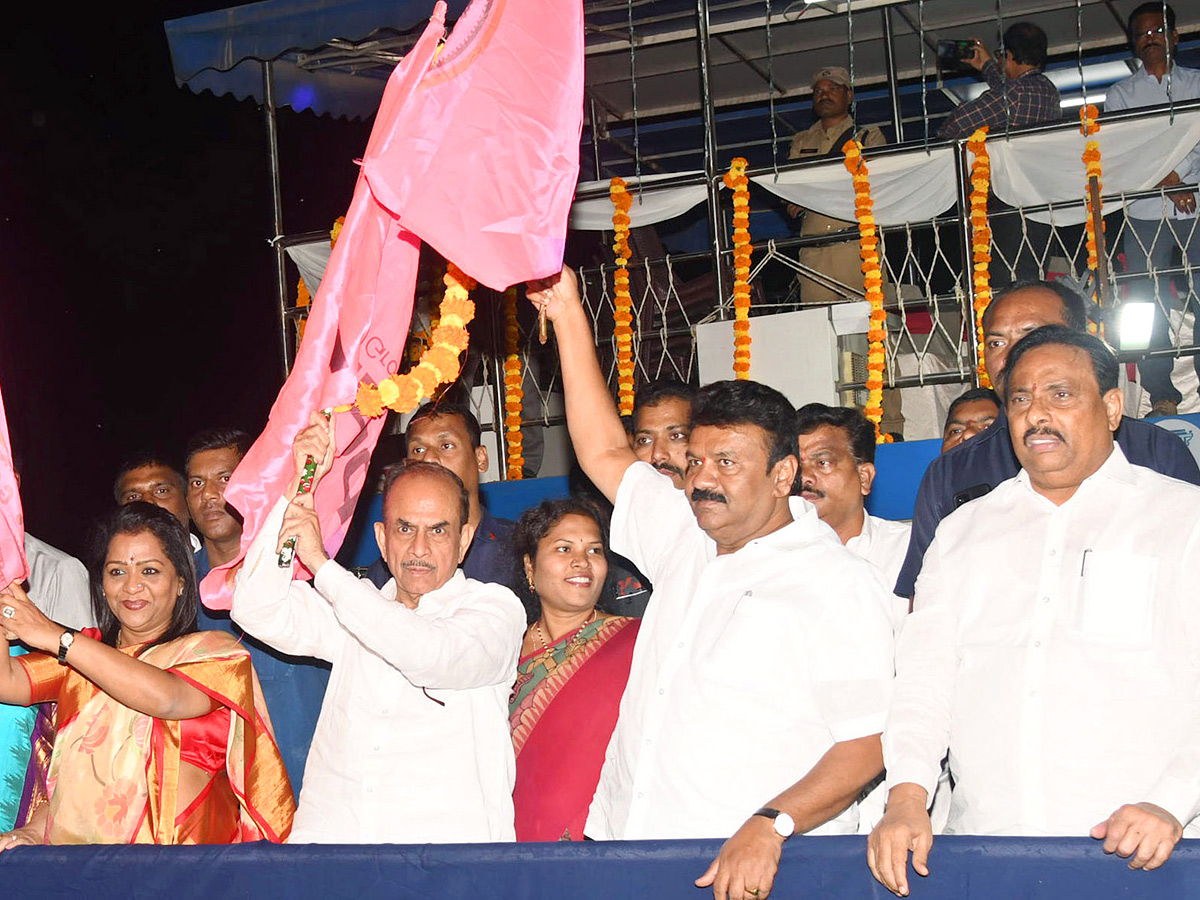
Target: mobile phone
(955, 51)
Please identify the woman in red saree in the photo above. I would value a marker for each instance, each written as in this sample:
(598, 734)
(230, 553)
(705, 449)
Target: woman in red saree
(162, 733)
(572, 671)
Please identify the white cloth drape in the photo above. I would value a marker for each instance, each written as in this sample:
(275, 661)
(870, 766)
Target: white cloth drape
(906, 187)
(1036, 169)
(648, 208)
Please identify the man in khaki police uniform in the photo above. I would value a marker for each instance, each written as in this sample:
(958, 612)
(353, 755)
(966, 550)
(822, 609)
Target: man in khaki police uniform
(831, 105)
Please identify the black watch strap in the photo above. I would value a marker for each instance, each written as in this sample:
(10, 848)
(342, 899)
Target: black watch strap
(768, 812)
(64, 644)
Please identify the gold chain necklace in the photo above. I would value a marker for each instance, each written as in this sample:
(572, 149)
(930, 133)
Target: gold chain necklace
(537, 627)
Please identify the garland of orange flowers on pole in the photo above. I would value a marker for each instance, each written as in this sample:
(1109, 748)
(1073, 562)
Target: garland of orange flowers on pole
(438, 365)
(514, 394)
(622, 202)
(1091, 162)
(868, 249)
(736, 180)
(981, 243)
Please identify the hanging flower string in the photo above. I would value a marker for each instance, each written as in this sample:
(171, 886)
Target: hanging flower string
(736, 181)
(981, 243)
(513, 392)
(1091, 161)
(622, 202)
(437, 365)
(868, 243)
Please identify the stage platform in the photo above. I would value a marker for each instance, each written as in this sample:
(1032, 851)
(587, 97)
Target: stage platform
(829, 868)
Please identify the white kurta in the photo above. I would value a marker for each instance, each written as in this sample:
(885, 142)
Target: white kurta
(412, 745)
(748, 667)
(884, 544)
(1056, 651)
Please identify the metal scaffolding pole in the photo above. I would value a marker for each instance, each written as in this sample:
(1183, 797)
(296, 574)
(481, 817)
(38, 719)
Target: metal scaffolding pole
(889, 58)
(715, 220)
(277, 214)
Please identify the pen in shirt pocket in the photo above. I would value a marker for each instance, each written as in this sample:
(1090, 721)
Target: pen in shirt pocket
(1083, 563)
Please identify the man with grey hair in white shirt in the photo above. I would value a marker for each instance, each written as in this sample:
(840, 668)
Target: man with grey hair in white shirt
(763, 666)
(412, 745)
(1053, 642)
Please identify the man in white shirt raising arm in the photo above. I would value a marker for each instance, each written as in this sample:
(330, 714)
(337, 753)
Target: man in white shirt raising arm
(412, 745)
(763, 666)
(1053, 642)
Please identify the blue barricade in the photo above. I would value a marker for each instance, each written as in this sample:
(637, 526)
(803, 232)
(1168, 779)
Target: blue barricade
(829, 868)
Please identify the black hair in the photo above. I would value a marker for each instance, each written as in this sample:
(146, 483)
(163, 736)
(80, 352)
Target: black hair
(535, 523)
(141, 460)
(1149, 9)
(660, 389)
(135, 518)
(1074, 306)
(216, 439)
(1104, 363)
(1027, 43)
(439, 408)
(406, 467)
(979, 393)
(723, 404)
(859, 430)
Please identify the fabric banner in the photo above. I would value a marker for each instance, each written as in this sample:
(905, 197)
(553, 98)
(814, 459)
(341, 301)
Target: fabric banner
(1035, 169)
(12, 521)
(912, 186)
(475, 152)
(649, 208)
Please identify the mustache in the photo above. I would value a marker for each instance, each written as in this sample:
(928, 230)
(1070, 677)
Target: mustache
(699, 494)
(667, 467)
(1050, 431)
(418, 564)
(809, 489)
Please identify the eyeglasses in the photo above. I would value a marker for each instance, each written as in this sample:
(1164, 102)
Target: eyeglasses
(1161, 29)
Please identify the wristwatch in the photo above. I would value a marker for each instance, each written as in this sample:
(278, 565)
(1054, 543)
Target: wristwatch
(64, 644)
(785, 825)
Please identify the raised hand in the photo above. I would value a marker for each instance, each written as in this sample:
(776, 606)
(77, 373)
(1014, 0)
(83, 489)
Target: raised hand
(24, 622)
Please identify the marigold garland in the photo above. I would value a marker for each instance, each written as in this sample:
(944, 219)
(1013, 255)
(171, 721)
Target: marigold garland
(622, 202)
(514, 394)
(981, 243)
(868, 243)
(736, 181)
(1091, 161)
(438, 365)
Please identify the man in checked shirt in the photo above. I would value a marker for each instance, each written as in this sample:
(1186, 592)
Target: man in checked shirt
(1018, 93)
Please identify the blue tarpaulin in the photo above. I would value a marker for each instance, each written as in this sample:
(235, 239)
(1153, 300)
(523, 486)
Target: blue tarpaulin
(223, 51)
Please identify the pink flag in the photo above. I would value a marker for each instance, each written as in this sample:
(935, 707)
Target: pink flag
(476, 152)
(12, 520)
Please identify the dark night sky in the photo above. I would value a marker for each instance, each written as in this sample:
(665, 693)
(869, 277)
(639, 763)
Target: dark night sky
(136, 286)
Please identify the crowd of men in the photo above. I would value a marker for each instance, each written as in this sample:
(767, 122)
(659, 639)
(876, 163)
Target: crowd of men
(1022, 660)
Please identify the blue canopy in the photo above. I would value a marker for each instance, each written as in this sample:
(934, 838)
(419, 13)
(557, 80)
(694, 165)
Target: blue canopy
(223, 51)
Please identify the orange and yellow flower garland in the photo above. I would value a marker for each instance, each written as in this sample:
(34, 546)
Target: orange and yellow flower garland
(514, 394)
(868, 243)
(622, 202)
(1091, 161)
(981, 242)
(736, 180)
(438, 365)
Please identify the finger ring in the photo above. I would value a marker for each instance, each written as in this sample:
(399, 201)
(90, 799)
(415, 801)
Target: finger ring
(8, 612)
(753, 893)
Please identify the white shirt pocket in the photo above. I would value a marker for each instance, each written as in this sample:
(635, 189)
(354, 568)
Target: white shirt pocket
(1116, 604)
